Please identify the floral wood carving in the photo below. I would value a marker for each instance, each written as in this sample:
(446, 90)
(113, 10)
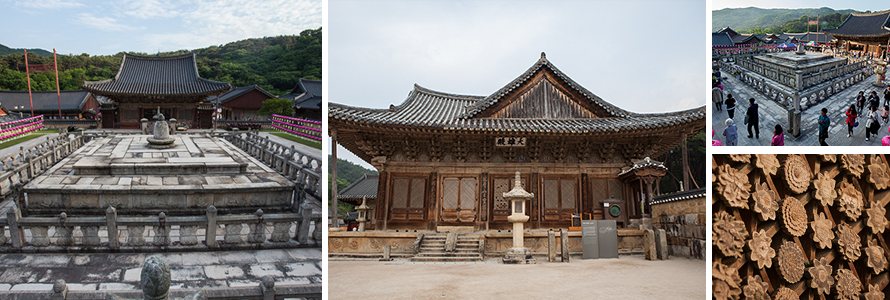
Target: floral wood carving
(729, 234)
(876, 259)
(848, 241)
(791, 262)
(825, 191)
(765, 202)
(797, 174)
(828, 157)
(726, 282)
(822, 233)
(874, 292)
(854, 163)
(768, 163)
(756, 288)
(742, 158)
(847, 285)
(761, 252)
(733, 186)
(786, 294)
(794, 216)
(821, 273)
(877, 217)
(878, 172)
(850, 200)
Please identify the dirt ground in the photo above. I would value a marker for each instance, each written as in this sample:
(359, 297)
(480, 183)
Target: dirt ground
(629, 277)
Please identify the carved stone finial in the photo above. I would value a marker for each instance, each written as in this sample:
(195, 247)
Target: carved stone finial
(60, 286)
(155, 279)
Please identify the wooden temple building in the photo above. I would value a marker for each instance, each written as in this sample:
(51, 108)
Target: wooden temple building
(144, 83)
(868, 33)
(73, 104)
(446, 159)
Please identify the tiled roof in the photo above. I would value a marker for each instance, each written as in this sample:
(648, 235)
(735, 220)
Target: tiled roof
(237, 92)
(307, 94)
(643, 163)
(746, 39)
(728, 31)
(306, 85)
(425, 108)
(157, 76)
(721, 39)
(684, 195)
(864, 25)
(44, 100)
(364, 187)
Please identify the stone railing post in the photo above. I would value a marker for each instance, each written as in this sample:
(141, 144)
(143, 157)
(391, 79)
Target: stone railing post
(268, 286)
(210, 233)
(551, 246)
(316, 235)
(60, 290)
(65, 232)
(257, 231)
(564, 240)
(16, 234)
(111, 224)
(303, 229)
(162, 232)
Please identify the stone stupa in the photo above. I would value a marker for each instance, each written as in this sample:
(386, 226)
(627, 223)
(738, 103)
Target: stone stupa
(161, 138)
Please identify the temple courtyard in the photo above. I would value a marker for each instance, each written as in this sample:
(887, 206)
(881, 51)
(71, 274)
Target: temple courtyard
(772, 113)
(628, 277)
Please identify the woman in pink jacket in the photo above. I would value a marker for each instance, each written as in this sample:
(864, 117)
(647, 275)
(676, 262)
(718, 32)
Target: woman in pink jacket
(778, 136)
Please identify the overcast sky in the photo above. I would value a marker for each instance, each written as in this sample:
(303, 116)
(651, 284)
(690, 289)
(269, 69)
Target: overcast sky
(149, 26)
(643, 56)
(860, 5)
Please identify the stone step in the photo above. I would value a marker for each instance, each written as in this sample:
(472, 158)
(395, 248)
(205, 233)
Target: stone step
(440, 249)
(446, 259)
(443, 254)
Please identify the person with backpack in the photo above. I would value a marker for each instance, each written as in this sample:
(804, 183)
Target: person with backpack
(731, 133)
(860, 100)
(872, 124)
(887, 96)
(717, 96)
(753, 118)
(824, 123)
(730, 105)
(851, 119)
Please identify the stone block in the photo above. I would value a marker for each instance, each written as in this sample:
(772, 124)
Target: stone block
(649, 245)
(199, 200)
(231, 199)
(83, 200)
(661, 245)
(690, 219)
(123, 169)
(116, 200)
(41, 200)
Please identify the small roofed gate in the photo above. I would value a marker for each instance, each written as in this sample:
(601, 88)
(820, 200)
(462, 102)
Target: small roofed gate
(458, 200)
(560, 195)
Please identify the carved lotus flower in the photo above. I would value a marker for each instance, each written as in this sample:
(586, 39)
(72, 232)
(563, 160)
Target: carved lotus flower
(822, 233)
(877, 217)
(725, 282)
(756, 288)
(847, 285)
(848, 241)
(794, 216)
(825, 191)
(821, 273)
(761, 252)
(854, 163)
(733, 186)
(828, 157)
(729, 234)
(765, 202)
(797, 173)
(850, 200)
(786, 294)
(791, 262)
(742, 158)
(878, 172)
(874, 292)
(876, 259)
(768, 163)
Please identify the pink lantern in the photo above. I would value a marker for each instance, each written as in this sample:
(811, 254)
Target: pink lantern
(885, 141)
(716, 143)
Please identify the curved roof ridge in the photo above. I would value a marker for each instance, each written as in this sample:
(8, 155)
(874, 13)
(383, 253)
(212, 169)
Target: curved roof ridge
(424, 90)
(871, 13)
(159, 57)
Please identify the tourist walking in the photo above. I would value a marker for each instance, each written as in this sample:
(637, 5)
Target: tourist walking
(887, 96)
(730, 105)
(860, 100)
(778, 136)
(872, 124)
(851, 119)
(717, 95)
(731, 133)
(873, 100)
(752, 118)
(824, 122)
(885, 112)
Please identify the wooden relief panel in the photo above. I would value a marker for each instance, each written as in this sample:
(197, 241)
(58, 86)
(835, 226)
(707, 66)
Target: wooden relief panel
(800, 226)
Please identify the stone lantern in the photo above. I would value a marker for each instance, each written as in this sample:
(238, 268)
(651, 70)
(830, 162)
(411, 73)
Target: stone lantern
(518, 254)
(362, 214)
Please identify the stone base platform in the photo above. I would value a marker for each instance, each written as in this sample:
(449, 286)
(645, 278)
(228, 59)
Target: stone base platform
(519, 256)
(121, 171)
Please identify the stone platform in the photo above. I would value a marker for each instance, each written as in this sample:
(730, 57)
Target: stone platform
(121, 171)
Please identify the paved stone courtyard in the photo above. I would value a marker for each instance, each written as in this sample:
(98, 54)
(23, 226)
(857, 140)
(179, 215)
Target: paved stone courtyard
(628, 277)
(772, 113)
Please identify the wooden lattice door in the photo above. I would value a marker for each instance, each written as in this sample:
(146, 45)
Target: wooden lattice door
(559, 198)
(500, 185)
(408, 198)
(458, 199)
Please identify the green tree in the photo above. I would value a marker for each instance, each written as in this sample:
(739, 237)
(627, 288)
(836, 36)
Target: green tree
(277, 106)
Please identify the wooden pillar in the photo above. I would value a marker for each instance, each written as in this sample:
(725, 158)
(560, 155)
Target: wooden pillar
(334, 192)
(683, 137)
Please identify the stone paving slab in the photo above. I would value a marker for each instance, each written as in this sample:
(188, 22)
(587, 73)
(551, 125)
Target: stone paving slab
(115, 271)
(772, 113)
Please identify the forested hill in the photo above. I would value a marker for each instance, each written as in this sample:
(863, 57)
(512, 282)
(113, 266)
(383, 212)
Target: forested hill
(6, 50)
(747, 18)
(347, 174)
(274, 63)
